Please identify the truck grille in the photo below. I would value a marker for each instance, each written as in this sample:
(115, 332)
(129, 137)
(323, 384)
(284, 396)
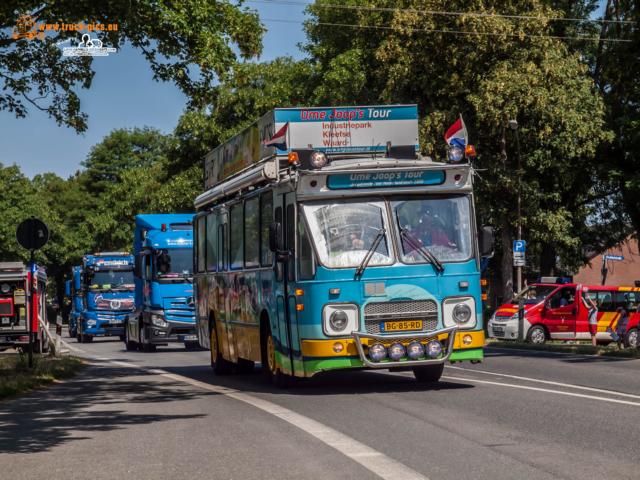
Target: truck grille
(377, 312)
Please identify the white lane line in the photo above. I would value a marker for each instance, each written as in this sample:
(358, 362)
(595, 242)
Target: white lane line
(549, 382)
(376, 462)
(545, 390)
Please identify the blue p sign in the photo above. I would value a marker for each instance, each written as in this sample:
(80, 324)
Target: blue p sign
(519, 246)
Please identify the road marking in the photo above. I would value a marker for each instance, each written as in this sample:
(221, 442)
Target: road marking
(549, 382)
(545, 390)
(373, 460)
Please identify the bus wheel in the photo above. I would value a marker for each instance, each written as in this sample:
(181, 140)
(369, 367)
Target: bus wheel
(218, 363)
(631, 339)
(269, 365)
(245, 366)
(537, 335)
(428, 373)
(128, 344)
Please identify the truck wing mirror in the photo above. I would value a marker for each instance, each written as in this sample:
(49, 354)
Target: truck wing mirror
(137, 266)
(486, 241)
(275, 237)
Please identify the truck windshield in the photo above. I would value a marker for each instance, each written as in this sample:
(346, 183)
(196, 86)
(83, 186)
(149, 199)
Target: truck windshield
(112, 280)
(441, 225)
(174, 263)
(534, 294)
(344, 232)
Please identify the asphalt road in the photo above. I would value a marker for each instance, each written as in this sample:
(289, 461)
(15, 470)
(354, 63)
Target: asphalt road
(520, 414)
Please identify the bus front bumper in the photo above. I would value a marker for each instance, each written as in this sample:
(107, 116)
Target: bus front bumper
(324, 355)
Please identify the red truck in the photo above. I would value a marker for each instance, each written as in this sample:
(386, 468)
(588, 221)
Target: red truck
(557, 311)
(22, 291)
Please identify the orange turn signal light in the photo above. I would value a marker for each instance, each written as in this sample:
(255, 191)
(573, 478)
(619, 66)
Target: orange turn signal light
(293, 158)
(470, 151)
(483, 282)
(299, 292)
(299, 307)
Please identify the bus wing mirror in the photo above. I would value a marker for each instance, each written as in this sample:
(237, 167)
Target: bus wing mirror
(275, 237)
(486, 241)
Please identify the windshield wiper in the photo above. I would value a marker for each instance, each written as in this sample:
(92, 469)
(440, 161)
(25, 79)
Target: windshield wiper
(370, 252)
(415, 244)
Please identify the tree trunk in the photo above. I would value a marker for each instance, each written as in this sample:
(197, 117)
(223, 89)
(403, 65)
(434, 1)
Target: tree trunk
(547, 260)
(506, 261)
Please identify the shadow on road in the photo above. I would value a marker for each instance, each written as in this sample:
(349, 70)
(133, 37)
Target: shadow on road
(493, 352)
(329, 383)
(88, 403)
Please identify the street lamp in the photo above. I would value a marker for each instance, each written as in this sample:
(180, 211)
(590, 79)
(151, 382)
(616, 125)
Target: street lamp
(513, 125)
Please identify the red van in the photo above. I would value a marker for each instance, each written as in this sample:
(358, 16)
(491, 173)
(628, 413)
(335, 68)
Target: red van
(557, 311)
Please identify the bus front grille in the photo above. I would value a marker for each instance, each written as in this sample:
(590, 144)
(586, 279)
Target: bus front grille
(378, 312)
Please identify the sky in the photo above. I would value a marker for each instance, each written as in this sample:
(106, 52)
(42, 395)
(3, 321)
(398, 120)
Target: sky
(123, 94)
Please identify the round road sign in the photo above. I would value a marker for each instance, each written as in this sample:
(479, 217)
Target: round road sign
(32, 234)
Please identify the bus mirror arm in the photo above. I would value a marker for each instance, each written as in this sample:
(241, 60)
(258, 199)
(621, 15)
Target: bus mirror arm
(486, 241)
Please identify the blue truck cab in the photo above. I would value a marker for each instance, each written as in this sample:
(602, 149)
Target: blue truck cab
(73, 291)
(164, 305)
(107, 295)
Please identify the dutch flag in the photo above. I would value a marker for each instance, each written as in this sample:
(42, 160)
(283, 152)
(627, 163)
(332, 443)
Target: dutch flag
(279, 139)
(456, 135)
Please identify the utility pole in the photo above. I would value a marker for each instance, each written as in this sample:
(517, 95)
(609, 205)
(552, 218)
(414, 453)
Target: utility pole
(513, 124)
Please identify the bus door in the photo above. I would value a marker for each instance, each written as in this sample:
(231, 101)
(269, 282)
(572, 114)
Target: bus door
(284, 286)
(559, 314)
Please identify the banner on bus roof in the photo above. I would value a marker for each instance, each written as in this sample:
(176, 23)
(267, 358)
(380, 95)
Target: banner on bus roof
(337, 130)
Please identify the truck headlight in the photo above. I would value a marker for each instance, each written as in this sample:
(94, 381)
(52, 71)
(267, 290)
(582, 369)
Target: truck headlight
(91, 323)
(339, 319)
(158, 321)
(459, 311)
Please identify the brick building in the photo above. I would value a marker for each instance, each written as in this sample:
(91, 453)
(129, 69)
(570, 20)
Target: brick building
(625, 272)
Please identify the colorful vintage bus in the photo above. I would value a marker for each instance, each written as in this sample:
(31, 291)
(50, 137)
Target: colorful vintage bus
(324, 241)
(557, 310)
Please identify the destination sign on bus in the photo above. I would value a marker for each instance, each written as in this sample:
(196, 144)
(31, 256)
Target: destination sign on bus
(386, 179)
(337, 130)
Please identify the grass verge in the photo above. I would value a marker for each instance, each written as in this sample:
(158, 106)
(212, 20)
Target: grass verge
(610, 350)
(17, 378)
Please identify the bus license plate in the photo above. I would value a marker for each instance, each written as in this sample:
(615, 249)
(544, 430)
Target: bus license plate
(402, 325)
(188, 338)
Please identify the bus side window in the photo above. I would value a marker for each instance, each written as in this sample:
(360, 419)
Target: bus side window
(291, 241)
(221, 248)
(266, 217)
(306, 264)
(278, 219)
(212, 242)
(201, 244)
(252, 232)
(236, 247)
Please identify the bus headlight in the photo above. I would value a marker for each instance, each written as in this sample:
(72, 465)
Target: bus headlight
(396, 351)
(434, 349)
(459, 312)
(158, 321)
(377, 352)
(415, 350)
(339, 319)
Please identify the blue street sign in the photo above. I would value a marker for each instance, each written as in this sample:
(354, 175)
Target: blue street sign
(617, 258)
(519, 246)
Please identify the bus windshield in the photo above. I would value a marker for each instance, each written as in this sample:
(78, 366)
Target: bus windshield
(174, 263)
(440, 225)
(344, 232)
(112, 280)
(534, 294)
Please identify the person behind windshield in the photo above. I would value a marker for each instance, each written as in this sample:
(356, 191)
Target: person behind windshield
(429, 231)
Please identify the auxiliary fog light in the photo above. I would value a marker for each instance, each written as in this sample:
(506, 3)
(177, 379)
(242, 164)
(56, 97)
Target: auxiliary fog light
(377, 352)
(397, 351)
(318, 160)
(415, 350)
(338, 347)
(434, 349)
(467, 339)
(91, 323)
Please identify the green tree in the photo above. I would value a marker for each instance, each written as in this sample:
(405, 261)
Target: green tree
(191, 43)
